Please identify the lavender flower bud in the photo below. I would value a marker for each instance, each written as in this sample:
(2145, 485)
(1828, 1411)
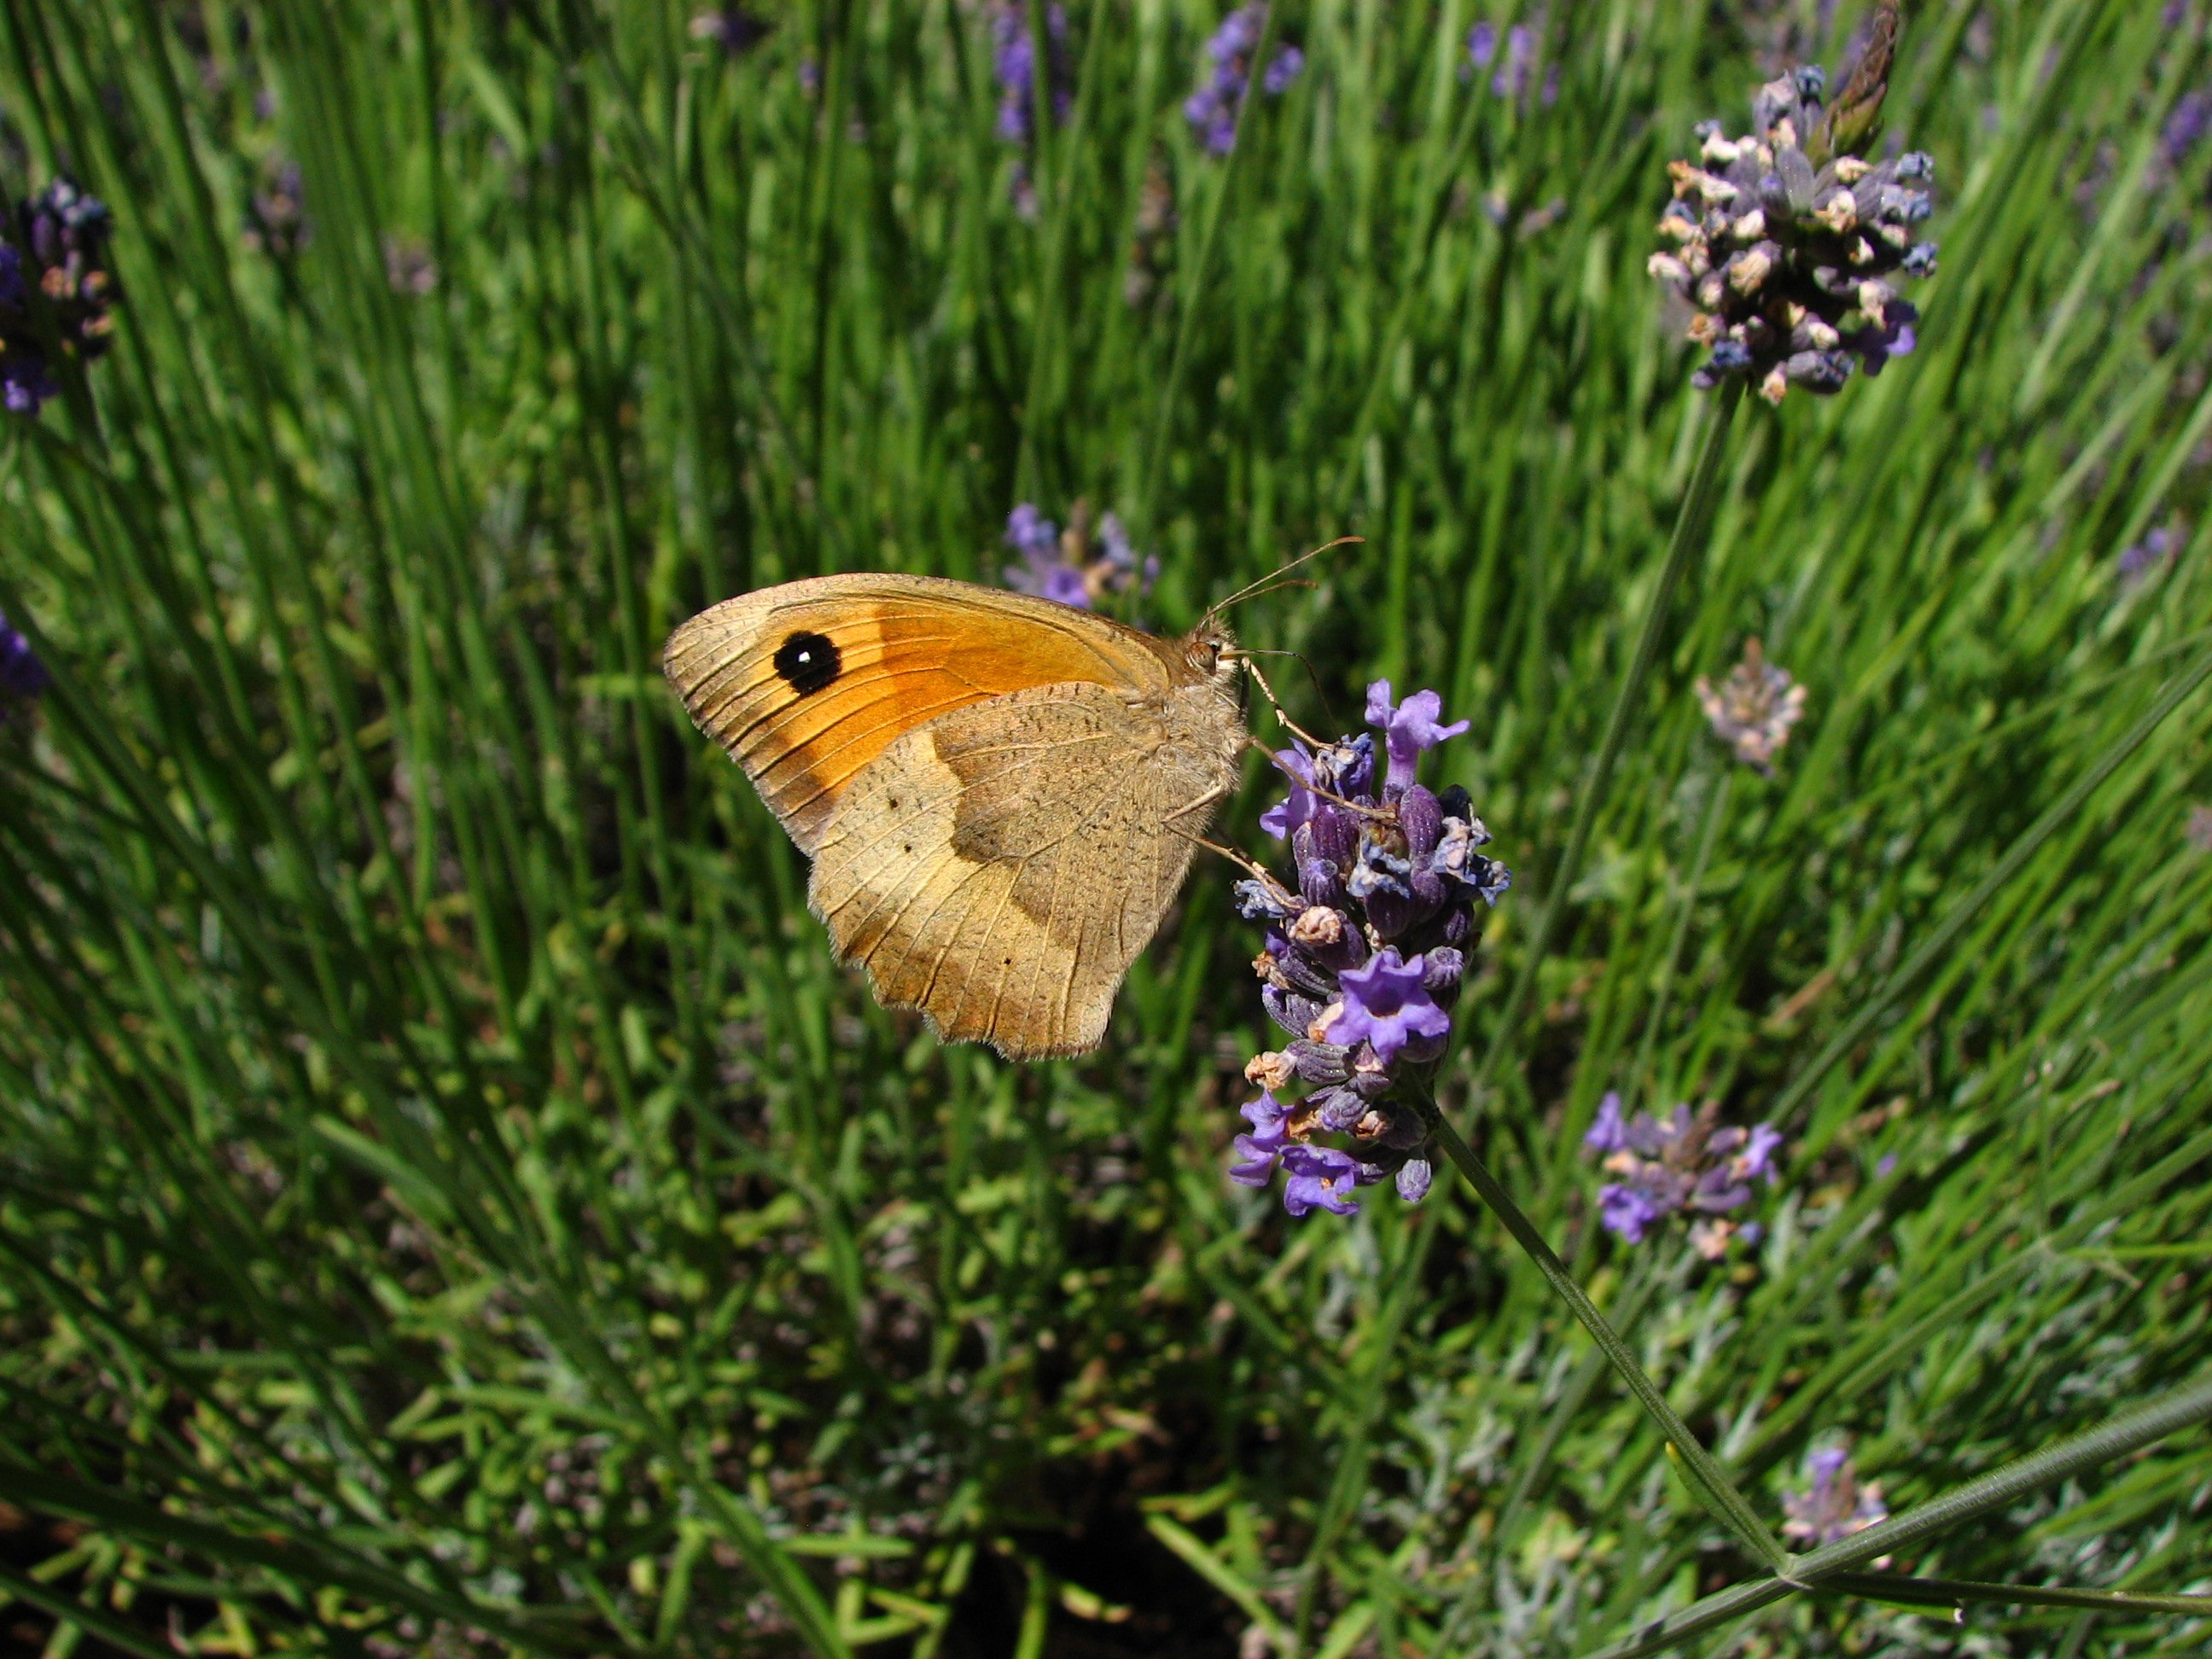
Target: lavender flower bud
(1337, 1109)
(1442, 968)
(1318, 1063)
(1288, 1009)
(1421, 820)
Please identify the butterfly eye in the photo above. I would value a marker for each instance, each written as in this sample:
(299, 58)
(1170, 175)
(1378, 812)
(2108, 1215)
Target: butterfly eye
(808, 662)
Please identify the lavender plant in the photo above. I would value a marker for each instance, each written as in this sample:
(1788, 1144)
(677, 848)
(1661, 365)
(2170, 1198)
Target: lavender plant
(1212, 108)
(1509, 78)
(1834, 1505)
(1073, 565)
(1014, 65)
(1367, 949)
(1686, 1163)
(1753, 709)
(22, 676)
(1788, 248)
(55, 263)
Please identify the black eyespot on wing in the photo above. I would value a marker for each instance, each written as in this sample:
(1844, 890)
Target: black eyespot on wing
(808, 662)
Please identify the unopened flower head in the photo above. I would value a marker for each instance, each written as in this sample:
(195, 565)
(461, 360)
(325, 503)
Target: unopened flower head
(56, 262)
(1789, 249)
(22, 676)
(1074, 566)
(1835, 1504)
(1366, 946)
(1686, 1163)
(1753, 709)
(1213, 106)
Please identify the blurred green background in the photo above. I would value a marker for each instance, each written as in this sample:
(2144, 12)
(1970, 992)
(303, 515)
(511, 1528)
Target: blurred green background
(451, 1200)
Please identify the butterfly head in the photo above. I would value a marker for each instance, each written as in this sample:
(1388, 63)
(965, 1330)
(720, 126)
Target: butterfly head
(1211, 650)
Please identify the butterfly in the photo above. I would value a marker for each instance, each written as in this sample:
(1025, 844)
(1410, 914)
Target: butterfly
(1001, 794)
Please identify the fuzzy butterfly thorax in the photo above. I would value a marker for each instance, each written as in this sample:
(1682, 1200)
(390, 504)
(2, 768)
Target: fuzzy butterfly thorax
(1001, 794)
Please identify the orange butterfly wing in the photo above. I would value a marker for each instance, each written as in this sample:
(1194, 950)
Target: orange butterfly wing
(806, 683)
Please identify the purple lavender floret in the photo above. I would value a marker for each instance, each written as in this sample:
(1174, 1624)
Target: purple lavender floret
(1512, 77)
(1387, 1004)
(1212, 107)
(1366, 950)
(1685, 1161)
(1321, 1176)
(55, 263)
(1259, 1150)
(1409, 730)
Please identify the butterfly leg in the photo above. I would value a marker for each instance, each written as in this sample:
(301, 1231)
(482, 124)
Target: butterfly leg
(1365, 810)
(1205, 803)
(1275, 703)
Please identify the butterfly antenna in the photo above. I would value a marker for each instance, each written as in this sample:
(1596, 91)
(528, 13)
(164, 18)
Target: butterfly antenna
(1272, 579)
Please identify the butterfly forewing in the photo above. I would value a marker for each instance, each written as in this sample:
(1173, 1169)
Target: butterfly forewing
(807, 683)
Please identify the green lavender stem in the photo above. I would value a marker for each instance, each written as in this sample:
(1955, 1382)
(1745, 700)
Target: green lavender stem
(1688, 538)
(1705, 1474)
(2184, 1408)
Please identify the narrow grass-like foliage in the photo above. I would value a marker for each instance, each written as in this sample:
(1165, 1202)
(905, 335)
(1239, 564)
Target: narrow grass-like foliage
(452, 1202)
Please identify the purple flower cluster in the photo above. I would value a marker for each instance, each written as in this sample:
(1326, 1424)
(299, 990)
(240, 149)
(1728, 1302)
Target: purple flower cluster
(1753, 709)
(276, 219)
(1212, 109)
(1511, 78)
(1365, 956)
(1013, 63)
(1835, 1505)
(2139, 560)
(54, 262)
(22, 676)
(2186, 126)
(1688, 1161)
(1786, 265)
(1069, 565)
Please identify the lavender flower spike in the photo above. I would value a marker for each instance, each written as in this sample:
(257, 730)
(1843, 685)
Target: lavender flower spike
(1685, 1163)
(1785, 248)
(22, 676)
(1212, 108)
(1835, 1505)
(1070, 566)
(56, 262)
(1367, 946)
